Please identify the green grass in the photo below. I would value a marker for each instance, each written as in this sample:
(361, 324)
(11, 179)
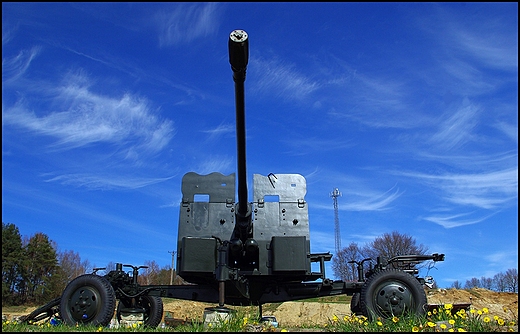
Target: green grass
(439, 320)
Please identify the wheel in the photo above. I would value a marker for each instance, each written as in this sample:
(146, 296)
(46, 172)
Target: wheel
(355, 306)
(152, 305)
(391, 293)
(46, 311)
(88, 299)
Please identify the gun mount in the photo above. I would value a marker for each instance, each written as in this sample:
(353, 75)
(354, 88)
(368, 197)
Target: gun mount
(241, 252)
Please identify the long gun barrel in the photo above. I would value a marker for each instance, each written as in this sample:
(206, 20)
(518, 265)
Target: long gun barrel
(238, 58)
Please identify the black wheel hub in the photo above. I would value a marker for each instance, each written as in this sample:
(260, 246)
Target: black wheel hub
(394, 298)
(84, 304)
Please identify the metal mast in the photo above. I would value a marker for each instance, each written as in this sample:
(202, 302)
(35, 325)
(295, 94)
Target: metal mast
(337, 235)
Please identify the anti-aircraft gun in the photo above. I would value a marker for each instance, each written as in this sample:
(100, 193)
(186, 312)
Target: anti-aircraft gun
(241, 252)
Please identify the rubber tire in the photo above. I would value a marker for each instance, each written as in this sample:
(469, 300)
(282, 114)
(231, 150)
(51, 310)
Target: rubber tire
(355, 304)
(406, 293)
(97, 299)
(153, 306)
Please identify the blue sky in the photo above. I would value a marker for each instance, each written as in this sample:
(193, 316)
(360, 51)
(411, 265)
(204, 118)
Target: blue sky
(409, 109)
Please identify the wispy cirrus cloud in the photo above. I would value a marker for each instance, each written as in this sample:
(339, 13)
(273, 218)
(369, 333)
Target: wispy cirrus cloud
(15, 67)
(281, 79)
(455, 220)
(372, 201)
(486, 43)
(510, 130)
(186, 23)
(220, 164)
(84, 117)
(487, 190)
(107, 182)
(456, 129)
(219, 131)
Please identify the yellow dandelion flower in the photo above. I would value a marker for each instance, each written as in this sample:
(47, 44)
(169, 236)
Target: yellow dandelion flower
(431, 324)
(495, 317)
(462, 311)
(434, 311)
(100, 329)
(415, 329)
(461, 330)
(479, 312)
(283, 330)
(448, 306)
(379, 323)
(501, 322)
(134, 325)
(334, 318)
(451, 322)
(245, 321)
(395, 319)
(7, 322)
(443, 326)
(485, 310)
(487, 319)
(472, 311)
(451, 330)
(429, 313)
(512, 323)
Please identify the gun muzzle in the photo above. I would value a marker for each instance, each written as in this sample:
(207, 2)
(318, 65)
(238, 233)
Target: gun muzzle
(238, 53)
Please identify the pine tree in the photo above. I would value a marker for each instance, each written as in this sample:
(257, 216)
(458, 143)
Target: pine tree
(11, 255)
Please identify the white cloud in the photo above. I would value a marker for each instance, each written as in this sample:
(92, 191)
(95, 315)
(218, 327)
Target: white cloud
(15, 67)
(186, 23)
(373, 202)
(100, 182)
(456, 220)
(457, 129)
(280, 79)
(87, 117)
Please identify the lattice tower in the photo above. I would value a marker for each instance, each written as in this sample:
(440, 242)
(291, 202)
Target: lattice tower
(337, 235)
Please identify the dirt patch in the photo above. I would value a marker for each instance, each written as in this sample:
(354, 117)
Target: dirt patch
(300, 313)
(290, 314)
(503, 304)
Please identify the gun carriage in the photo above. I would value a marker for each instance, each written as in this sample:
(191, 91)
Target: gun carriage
(240, 252)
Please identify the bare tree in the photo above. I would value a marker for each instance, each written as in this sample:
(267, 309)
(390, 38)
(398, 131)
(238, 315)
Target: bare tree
(149, 275)
(472, 283)
(456, 285)
(499, 283)
(511, 280)
(71, 264)
(393, 244)
(486, 283)
(340, 266)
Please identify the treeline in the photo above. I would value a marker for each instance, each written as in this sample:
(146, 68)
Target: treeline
(501, 282)
(34, 271)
